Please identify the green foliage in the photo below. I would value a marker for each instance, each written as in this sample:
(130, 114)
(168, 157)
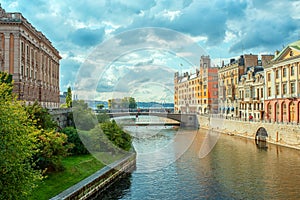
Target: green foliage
(125, 103)
(132, 103)
(6, 85)
(64, 105)
(73, 138)
(41, 116)
(17, 146)
(83, 116)
(117, 135)
(52, 147)
(100, 106)
(76, 169)
(103, 117)
(69, 98)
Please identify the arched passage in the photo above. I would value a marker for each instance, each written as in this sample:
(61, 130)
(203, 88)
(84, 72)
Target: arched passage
(261, 134)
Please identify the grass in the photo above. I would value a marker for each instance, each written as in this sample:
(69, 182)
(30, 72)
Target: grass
(76, 169)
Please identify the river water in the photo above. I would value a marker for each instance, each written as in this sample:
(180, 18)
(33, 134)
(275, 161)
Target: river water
(169, 167)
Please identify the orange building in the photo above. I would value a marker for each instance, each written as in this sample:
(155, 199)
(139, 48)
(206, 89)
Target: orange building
(197, 92)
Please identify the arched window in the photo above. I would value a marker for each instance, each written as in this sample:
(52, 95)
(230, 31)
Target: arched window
(292, 112)
(269, 110)
(277, 112)
(284, 111)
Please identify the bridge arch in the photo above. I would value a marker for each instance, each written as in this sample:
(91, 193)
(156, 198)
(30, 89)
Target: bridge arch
(261, 134)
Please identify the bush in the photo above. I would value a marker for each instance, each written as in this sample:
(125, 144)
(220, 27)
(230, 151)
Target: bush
(103, 117)
(117, 135)
(73, 138)
(52, 147)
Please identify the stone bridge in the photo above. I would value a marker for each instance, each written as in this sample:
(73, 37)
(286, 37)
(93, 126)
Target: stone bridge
(185, 120)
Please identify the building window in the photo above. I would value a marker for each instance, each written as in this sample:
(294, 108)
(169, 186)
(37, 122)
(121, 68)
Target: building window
(292, 70)
(277, 73)
(292, 88)
(269, 76)
(269, 110)
(277, 89)
(262, 92)
(291, 53)
(284, 72)
(284, 109)
(284, 90)
(22, 70)
(269, 91)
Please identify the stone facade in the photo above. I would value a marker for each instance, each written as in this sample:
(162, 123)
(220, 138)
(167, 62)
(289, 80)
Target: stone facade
(251, 94)
(280, 134)
(282, 83)
(30, 57)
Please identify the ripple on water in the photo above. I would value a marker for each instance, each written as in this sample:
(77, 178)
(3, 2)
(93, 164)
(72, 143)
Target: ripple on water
(235, 169)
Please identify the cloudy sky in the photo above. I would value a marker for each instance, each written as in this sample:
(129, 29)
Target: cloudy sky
(108, 49)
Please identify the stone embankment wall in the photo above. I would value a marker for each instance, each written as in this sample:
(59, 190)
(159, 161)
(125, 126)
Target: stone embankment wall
(281, 134)
(61, 116)
(100, 180)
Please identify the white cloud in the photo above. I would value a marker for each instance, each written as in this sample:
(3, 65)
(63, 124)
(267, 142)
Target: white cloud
(224, 28)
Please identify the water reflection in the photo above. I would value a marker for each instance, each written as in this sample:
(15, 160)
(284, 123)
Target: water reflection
(117, 190)
(236, 168)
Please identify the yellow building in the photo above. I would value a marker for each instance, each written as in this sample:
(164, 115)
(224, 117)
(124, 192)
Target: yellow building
(282, 85)
(229, 76)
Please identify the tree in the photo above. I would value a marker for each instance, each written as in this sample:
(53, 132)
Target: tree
(100, 106)
(41, 116)
(83, 116)
(17, 145)
(73, 138)
(116, 135)
(132, 103)
(52, 146)
(125, 103)
(69, 98)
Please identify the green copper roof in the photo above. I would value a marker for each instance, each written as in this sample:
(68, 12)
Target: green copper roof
(295, 45)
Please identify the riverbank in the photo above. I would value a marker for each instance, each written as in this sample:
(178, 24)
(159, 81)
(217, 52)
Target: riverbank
(287, 135)
(100, 180)
(76, 168)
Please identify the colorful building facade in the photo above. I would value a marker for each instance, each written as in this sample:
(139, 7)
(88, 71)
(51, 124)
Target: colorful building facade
(229, 76)
(251, 94)
(197, 92)
(282, 85)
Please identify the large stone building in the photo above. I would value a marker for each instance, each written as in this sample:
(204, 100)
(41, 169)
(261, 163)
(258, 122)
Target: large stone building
(30, 58)
(197, 92)
(282, 84)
